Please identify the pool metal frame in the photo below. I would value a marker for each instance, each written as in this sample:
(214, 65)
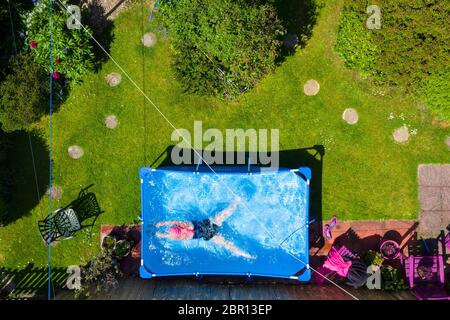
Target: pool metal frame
(304, 172)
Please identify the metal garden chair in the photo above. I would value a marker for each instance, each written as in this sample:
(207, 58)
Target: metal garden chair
(62, 223)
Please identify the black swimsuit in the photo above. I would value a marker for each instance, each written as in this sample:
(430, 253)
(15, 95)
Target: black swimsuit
(205, 229)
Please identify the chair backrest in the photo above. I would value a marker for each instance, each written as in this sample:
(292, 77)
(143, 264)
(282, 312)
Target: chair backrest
(433, 264)
(447, 241)
(67, 222)
(60, 223)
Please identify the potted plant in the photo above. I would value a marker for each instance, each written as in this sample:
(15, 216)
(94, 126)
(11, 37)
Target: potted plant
(389, 249)
(373, 258)
(101, 274)
(122, 249)
(109, 243)
(392, 280)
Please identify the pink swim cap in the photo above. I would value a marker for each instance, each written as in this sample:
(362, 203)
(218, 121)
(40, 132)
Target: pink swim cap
(175, 231)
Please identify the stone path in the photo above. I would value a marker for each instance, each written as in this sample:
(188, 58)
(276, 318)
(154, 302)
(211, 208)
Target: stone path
(111, 122)
(56, 192)
(113, 79)
(434, 198)
(75, 152)
(401, 135)
(350, 116)
(149, 39)
(311, 87)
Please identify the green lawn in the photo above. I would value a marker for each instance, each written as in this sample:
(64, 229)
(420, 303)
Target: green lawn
(365, 174)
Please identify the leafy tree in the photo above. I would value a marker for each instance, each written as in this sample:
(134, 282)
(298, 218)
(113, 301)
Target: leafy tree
(412, 46)
(222, 47)
(71, 49)
(12, 36)
(23, 94)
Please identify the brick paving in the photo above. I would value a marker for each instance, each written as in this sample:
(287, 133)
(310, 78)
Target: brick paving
(363, 235)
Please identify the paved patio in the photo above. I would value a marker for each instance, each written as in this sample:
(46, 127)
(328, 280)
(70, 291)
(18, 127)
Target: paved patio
(434, 198)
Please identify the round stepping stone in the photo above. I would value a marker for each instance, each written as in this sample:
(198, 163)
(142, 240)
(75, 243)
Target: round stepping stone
(149, 39)
(291, 41)
(311, 87)
(447, 142)
(350, 116)
(75, 152)
(401, 135)
(56, 192)
(111, 121)
(113, 79)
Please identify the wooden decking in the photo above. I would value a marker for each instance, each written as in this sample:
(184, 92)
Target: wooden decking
(134, 288)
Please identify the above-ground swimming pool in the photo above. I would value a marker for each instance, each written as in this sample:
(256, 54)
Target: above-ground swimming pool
(270, 221)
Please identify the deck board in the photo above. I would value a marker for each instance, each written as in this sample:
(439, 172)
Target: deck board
(134, 288)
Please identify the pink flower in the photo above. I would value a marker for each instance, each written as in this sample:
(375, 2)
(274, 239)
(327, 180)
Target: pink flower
(33, 44)
(56, 75)
(57, 61)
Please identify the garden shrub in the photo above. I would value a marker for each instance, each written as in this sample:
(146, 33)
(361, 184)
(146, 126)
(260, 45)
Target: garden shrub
(23, 94)
(412, 45)
(72, 51)
(12, 36)
(355, 44)
(436, 94)
(102, 273)
(222, 47)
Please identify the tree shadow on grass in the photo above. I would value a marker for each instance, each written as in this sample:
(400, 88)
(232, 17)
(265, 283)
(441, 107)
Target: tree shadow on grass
(299, 18)
(96, 18)
(27, 152)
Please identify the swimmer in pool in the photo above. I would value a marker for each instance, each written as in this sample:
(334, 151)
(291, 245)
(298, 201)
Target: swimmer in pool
(207, 229)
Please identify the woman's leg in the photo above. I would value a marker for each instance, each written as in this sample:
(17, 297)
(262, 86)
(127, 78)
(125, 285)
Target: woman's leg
(224, 214)
(218, 239)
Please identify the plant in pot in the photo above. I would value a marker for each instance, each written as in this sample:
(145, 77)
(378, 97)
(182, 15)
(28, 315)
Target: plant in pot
(101, 274)
(389, 249)
(109, 243)
(392, 280)
(122, 249)
(373, 258)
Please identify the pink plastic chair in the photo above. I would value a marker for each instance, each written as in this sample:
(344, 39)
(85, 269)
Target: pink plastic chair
(428, 286)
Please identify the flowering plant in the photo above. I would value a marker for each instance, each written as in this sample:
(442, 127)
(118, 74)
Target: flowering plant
(72, 53)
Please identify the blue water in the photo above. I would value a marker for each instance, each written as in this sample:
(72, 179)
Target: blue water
(270, 221)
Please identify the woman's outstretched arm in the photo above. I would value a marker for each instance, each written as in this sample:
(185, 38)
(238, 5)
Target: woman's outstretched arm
(224, 214)
(173, 223)
(220, 240)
